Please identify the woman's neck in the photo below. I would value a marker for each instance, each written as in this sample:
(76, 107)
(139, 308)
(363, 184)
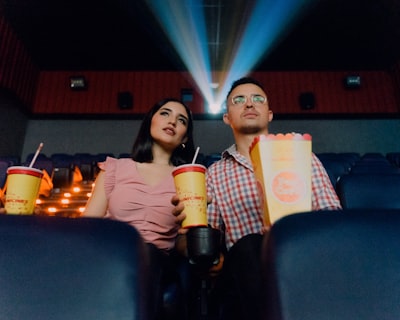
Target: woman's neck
(161, 163)
(161, 157)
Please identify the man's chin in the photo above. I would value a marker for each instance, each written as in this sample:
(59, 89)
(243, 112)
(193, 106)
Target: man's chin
(251, 129)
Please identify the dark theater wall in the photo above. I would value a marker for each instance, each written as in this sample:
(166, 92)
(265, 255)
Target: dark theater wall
(17, 71)
(376, 95)
(18, 79)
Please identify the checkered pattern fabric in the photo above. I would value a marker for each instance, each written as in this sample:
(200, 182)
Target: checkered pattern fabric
(236, 205)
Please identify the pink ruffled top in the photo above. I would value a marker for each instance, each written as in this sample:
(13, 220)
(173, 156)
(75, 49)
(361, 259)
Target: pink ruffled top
(131, 200)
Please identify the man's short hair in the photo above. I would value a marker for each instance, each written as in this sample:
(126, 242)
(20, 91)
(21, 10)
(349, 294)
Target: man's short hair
(244, 80)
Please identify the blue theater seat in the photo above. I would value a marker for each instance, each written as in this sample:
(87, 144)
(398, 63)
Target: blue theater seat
(394, 158)
(13, 160)
(86, 164)
(63, 164)
(333, 265)
(335, 169)
(369, 190)
(63, 269)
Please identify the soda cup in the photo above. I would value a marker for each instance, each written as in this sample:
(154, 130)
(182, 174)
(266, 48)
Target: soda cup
(190, 184)
(22, 189)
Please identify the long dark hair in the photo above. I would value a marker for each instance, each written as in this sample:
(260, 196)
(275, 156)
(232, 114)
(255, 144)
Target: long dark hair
(142, 152)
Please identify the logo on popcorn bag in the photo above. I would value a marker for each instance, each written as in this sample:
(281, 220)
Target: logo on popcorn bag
(282, 168)
(288, 187)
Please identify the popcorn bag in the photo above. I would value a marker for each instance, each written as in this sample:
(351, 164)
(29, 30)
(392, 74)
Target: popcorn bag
(282, 167)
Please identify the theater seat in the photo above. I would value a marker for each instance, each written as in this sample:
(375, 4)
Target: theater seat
(63, 269)
(333, 265)
(369, 190)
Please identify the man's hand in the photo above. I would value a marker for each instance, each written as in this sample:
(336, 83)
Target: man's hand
(215, 270)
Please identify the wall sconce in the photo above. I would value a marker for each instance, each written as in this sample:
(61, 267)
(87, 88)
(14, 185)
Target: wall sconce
(77, 83)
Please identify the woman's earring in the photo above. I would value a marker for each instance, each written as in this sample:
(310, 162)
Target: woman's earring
(183, 146)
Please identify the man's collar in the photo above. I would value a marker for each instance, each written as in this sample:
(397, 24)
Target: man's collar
(232, 152)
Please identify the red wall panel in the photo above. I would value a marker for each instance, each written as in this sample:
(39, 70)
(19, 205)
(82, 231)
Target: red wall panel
(54, 95)
(377, 93)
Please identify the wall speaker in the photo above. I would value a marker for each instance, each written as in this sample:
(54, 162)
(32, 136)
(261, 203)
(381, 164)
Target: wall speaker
(78, 83)
(307, 100)
(352, 82)
(125, 100)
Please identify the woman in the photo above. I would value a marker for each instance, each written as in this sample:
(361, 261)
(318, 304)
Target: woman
(138, 191)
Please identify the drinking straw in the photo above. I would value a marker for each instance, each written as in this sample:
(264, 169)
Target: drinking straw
(36, 154)
(195, 155)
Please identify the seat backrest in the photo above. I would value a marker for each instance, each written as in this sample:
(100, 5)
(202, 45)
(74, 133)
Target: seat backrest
(86, 163)
(64, 268)
(62, 160)
(43, 164)
(13, 160)
(335, 169)
(374, 168)
(333, 265)
(369, 190)
(394, 158)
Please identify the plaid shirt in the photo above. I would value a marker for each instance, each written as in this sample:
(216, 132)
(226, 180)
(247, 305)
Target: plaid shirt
(236, 206)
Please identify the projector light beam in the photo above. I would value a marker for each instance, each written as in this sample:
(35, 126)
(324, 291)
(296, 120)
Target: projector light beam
(256, 31)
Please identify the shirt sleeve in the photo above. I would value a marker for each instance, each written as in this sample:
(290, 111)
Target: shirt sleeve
(324, 196)
(110, 167)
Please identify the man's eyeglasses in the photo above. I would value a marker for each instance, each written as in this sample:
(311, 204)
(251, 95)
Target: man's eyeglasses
(256, 99)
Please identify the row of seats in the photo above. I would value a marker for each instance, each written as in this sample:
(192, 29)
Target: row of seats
(207, 159)
(368, 181)
(61, 166)
(339, 164)
(341, 167)
(317, 265)
(86, 268)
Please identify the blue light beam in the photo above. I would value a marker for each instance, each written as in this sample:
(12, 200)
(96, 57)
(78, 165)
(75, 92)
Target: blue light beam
(269, 20)
(184, 24)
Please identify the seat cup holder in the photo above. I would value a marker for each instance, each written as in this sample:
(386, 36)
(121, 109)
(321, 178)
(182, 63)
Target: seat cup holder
(203, 245)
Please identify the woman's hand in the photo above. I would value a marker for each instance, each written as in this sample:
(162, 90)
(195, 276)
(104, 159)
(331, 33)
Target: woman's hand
(177, 211)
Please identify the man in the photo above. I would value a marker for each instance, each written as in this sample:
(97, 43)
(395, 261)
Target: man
(235, 206)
